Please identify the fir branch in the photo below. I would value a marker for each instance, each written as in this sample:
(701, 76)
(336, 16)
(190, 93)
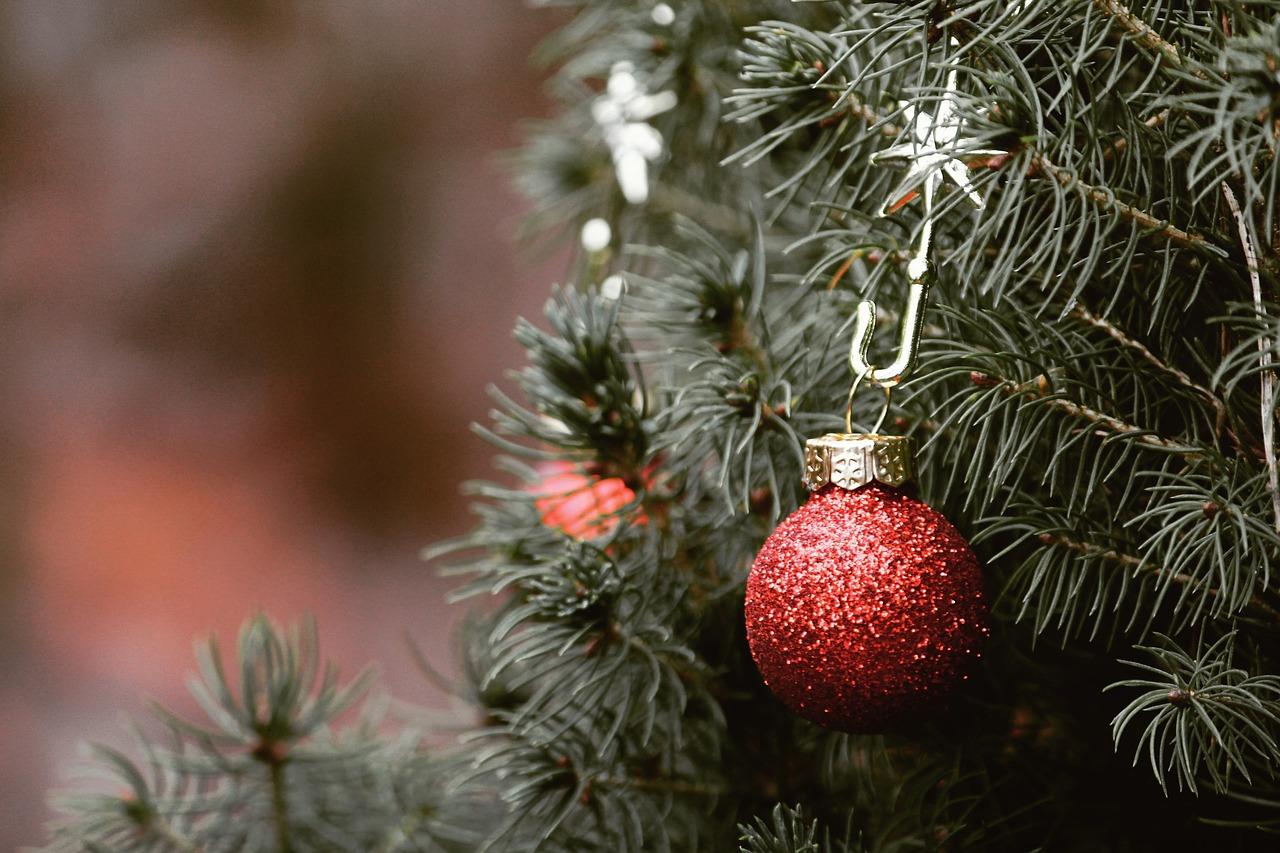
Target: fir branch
(615, 688)
(1040, 390)
(786, 831)
(1221, 417)
(1208, 719)
(222, 784)
(1209, 521)
(661, 784)
(859, 109)
(1141, 32)
(1090, 549)
(675, 200)
(871, 255)
(1138, 564)
(1151, 358)
(164, 830)
(1106, 200)
(1121, 143)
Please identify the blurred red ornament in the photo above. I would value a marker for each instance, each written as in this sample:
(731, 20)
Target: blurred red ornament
(865, 607)
(579, 504)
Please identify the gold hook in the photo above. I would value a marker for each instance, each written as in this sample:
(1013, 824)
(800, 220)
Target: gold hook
(921, 271)
(864, 327)
(896, 371)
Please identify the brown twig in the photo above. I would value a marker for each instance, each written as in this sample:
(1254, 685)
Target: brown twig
(1107, 200)
(1090, 549)
(659, 783)
(1268, 376)
(1141, 31)
(1039, 388)
(873, 255)
(1121, 143)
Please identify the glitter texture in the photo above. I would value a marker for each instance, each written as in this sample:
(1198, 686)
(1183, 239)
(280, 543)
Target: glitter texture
(865, 609)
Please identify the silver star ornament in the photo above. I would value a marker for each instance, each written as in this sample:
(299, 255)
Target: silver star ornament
(930, 153)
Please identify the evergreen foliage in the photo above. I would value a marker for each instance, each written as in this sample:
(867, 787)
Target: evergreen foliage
(1095, 402)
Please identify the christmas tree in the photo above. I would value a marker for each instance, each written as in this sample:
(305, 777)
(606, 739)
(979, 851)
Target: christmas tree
(1091, 190)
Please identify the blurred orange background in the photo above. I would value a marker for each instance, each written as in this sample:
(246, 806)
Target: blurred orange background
(257, 264)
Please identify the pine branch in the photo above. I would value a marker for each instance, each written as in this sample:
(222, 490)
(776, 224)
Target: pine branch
(1135, 563)
(1039, 390)
(1141, 32)
(1207, 718)
(1221, 417)
(1106, 200)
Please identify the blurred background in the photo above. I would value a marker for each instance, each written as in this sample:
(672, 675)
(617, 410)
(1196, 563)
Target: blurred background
(257, 264)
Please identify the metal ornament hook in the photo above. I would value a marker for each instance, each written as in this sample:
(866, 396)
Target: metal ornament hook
(933, 158)
(920, 269)
(896, 371)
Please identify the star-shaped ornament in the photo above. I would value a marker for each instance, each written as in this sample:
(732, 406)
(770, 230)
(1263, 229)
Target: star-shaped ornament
(931, 153)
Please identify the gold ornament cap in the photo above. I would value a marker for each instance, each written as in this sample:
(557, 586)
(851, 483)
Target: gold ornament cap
(850, 460)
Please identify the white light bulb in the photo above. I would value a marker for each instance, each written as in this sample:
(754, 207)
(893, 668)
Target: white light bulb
(596, 235)
(612, 287)
(664, 15)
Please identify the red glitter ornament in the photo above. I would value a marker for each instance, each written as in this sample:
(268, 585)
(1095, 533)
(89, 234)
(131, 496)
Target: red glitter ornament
(864, 607)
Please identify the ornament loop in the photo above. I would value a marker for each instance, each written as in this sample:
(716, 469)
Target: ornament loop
(848, 406)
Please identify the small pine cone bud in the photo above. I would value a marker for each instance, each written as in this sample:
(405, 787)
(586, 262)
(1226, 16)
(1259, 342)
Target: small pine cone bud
(1180, 698)
(1210, 509)
(1045, 538)
(983, 380)
(269, 752)
(997, 161)
(761, 500)
(1042, 384)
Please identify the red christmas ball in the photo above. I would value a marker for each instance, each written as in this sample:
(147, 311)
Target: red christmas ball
(865, 609)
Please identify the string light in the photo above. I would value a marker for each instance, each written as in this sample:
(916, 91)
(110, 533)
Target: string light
(623, 114)
(596, 235)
